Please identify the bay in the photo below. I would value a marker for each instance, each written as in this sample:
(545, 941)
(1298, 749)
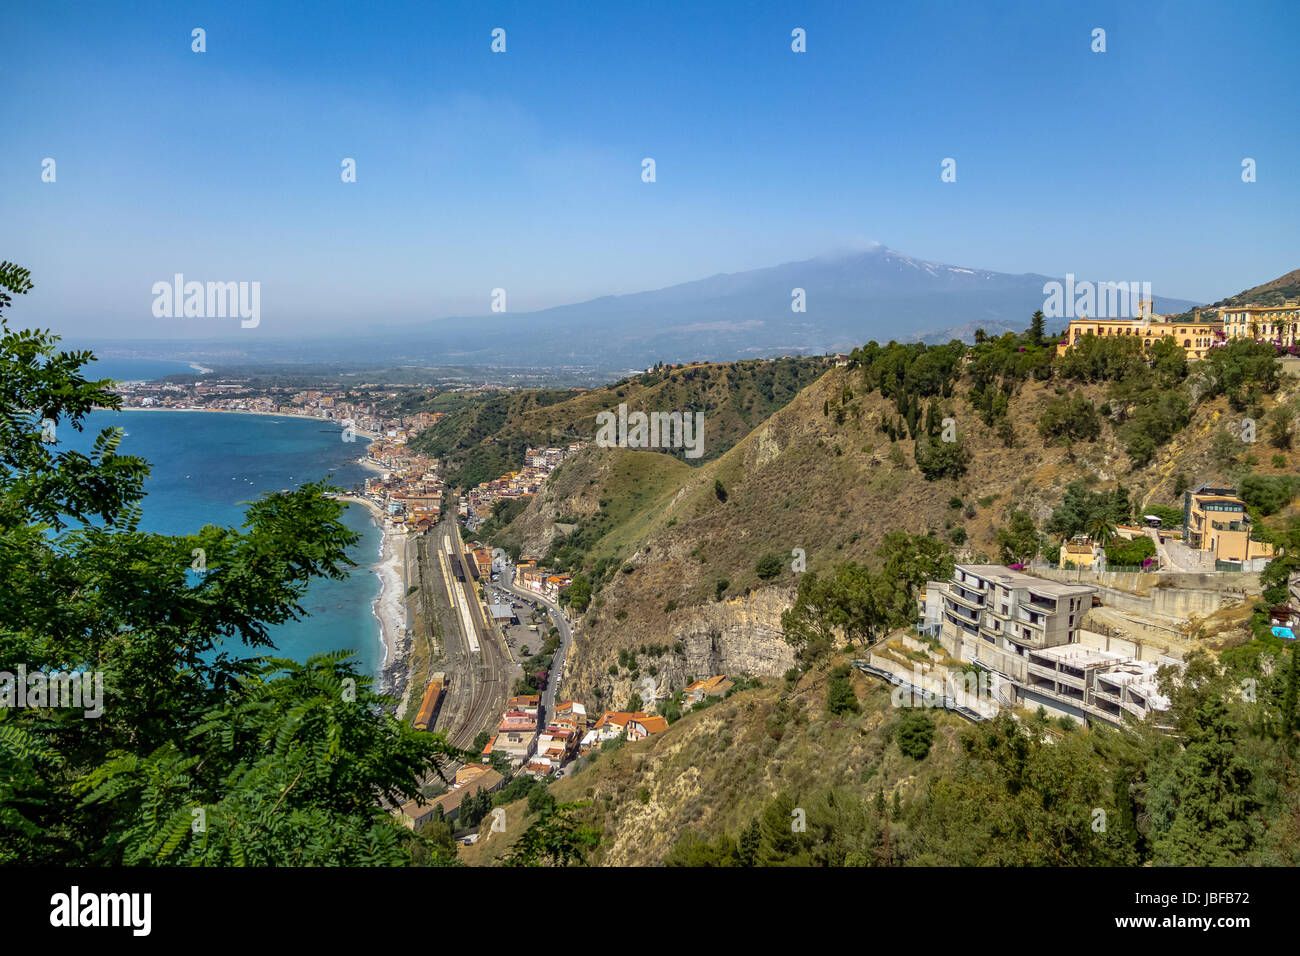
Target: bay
(205, 467)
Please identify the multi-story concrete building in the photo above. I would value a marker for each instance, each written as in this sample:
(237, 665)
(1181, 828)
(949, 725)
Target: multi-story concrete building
(1268, 323)
(1027, 630)
(994, 615)
(1215, 521)
(1090, 684)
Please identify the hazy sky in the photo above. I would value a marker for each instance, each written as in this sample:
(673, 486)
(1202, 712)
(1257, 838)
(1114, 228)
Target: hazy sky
(522, 170)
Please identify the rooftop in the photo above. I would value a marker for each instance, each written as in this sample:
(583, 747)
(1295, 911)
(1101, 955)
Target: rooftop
(1018, 579)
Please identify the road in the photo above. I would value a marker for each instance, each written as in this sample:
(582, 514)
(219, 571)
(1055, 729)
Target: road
(566, 638)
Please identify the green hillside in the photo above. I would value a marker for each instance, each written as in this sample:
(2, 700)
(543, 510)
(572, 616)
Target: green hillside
(485, 435)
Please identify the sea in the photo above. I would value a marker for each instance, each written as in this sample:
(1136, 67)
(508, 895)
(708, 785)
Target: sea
(207, 466)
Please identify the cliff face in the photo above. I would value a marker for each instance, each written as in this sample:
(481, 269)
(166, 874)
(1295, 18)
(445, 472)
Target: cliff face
(738, 636)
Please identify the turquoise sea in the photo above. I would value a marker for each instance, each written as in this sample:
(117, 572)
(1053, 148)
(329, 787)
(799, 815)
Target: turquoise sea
(204, 464)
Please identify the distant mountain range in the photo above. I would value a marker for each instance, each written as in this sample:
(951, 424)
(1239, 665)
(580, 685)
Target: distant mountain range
(850, 298)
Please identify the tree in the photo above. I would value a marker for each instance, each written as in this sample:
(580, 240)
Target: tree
(941, 459)
(808, 624)
(1019, 541)
(1202, 794)
(719, 490)
(1069, 418)
(840, 698)
(1036, 333)
(914, 734)
(1080, 509)
(913, 559)
(1101, 529)
(286, 762)
(1281, 427)
(555, 837)
(579, 592)
(769, 566)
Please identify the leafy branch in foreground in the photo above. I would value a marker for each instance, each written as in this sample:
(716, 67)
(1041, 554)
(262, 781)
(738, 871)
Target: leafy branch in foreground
(201, 754)
(555, 837)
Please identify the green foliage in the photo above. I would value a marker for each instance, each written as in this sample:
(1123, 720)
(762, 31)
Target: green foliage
(555, 838)
(840, 698)
(1069, 418)
(1170, 516)
(914, 734)
(941, 459)
(769, 566)
(1019, 541)
(913, 559)
(1130, 554)
(1081, 511)
(1286, 546)
(1238, 369)
(856, 602)
(286, 762)
(1103, 359)
(1268, 494)
(719, 490)
(579, 593)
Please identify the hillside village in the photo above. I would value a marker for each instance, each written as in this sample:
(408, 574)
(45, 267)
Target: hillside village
(1083, 629)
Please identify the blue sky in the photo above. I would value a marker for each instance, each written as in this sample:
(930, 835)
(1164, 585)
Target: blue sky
(522, 170)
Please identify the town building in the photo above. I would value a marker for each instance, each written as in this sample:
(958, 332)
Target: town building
(1265, 323)
(639, 728)
(469, 780)
(632, 725)
(995, 615)
(1081, 552)
(1215, 521)
(699, 690)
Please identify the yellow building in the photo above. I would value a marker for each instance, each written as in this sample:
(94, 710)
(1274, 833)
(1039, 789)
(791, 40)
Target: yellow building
(1270, 323)
(1082, 553)
(1215, 520)
(1196, 337)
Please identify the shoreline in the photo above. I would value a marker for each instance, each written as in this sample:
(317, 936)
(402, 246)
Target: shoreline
(246, 411)
(389, 605)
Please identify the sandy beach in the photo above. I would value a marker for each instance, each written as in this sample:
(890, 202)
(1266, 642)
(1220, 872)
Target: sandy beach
(390, 606)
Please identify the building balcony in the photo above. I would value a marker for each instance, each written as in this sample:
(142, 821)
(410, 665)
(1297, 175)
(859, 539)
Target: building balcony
(974, 603)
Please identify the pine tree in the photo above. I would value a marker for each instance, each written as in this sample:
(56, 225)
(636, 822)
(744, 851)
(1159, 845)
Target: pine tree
(1036, 328)
(750, 840)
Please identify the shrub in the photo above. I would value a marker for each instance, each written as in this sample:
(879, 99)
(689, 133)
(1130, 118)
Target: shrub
(915, 734)
(769, 566)
(840, 698)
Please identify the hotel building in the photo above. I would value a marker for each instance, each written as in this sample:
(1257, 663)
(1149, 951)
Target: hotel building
(1270, 323)
(1196, 337)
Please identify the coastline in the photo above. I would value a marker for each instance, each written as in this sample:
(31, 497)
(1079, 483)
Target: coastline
(248, 411)
(389, 607)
